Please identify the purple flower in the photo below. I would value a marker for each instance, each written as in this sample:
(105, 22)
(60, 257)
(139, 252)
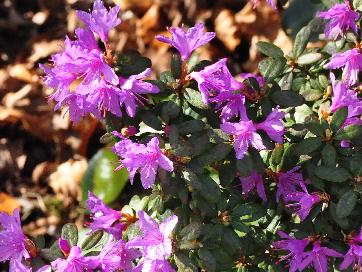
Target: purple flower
(154, 265)
(82, 77)
(351, 60)
(354, 255)
(341, 19)
(289, 182)
(13, 241)
(245, 134)
(132, 88)
(255, 180)
(187, 41)
(117, 256)
(103, 217)
(100, 20)
(344, 97)
(231, 104)
(75, 261)
(317, 257)
(215, 78)
(155, 241)
(273, 125)
(294, 246)
(302, 202)
(141, 158)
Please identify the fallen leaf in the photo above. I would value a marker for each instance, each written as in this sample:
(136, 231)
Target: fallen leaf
(8, 203)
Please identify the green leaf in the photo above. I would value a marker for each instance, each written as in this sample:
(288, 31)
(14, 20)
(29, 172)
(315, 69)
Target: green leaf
(272, 67)
(277, 154)
(184, 263)
(332, 173)
(191, 232)
(350, 132)
(131, 63)
(210, 190)
(70, 233)
(194, 98)
(169, 111)
(269, 49)
(338, 118)
(92, 240)
(329, 155)
(301, 41)
(307, 146)
(101, 179)
(191, 126)
(113, 122)
(346, 204)
(309, 58)
(287, 98)
(286, 81)
(208, 261)
(311, 94)
(176, 65)
(151, 120)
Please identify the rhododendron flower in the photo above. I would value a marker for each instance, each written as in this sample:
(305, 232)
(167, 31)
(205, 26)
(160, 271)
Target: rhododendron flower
(103, 217)
(317, 257)
(117, 256)
(100, 20)
(132, 88)
(231, 104)
(214, 79)
(81, 70)
(155, 241)
(187, 41)
(294, 246)
(341, 18)
(13, 242)
(289, 182)
(255, 180)
(351, 60)
(302, 202)
(354, 255)
(142, 158)
(344, 97)
(245, 132)
(75, 261)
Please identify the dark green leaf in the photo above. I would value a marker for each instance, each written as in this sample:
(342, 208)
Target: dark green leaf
(338, 118)
(332, 173)
(301, 41)
(286, 82)
(169, 111)
(272, 67)
(191, 232)
(269, 49)
(184, 263)
(307, 146)
(131, 63)
(329, 155)
(191, 126)
(208, 261)
(277, 154)
(350, 132)
(311, 94)
(346, 204)
(287, 98)
(176, 65)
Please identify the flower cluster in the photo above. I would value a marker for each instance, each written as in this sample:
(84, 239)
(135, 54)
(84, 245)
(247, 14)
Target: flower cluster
(291, 133)
(82, 73)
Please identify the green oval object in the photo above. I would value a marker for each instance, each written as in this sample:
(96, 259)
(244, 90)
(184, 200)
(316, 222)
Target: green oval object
(101, 179)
